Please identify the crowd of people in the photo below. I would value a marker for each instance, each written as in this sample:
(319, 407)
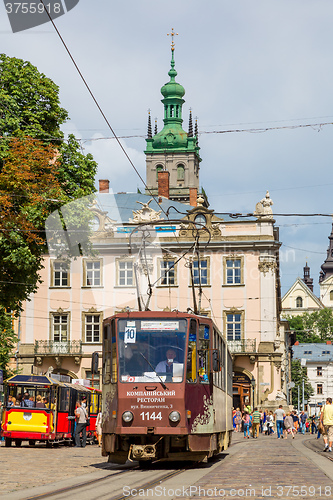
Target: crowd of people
(284, 424)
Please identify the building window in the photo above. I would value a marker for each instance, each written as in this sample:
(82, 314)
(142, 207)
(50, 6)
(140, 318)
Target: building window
(59, 274)
(180, 172)
(200, 272)
(234, 326)
(319, 371)
(233, 271)
(307, 352)
(125, 273)
(167, 272)
(60, 328)
(92, 328)
(92, 273)
(159, 168)
(319, 388)
(96, 382)
(299, 302)
(331, 295)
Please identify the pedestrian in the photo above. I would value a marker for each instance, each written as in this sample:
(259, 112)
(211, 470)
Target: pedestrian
(303, 418)
(255, 423)
(81, 425)
(288, 425)
(296, 420)
(246, 424)
(238, 420)
(99, 428)
(279, 415)
(313, 425)
(326, 417)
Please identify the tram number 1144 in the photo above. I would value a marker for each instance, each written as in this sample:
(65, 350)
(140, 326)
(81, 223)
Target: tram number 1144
(145, 415)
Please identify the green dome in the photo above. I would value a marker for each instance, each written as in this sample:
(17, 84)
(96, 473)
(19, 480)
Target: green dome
(170, 137)
(172, 88)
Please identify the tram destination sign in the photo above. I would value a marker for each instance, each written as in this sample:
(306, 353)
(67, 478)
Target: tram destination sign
(160, 325)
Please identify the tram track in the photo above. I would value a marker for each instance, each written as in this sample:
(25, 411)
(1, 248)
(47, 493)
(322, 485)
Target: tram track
(136, 485)
(313, 446)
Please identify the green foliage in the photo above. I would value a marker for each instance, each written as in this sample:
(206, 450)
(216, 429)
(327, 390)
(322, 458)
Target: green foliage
(8, 341)
(313, 327)
(298, 374)
(39, 174)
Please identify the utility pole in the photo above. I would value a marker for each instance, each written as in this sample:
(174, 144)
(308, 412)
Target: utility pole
(298, 398)
(303, 394)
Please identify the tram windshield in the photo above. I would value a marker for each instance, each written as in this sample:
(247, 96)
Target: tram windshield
(30, 397)
(151, 350)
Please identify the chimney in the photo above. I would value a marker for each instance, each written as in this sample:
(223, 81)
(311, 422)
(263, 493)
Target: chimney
(296, 343)
(104, 185)
(328, 342)
(193, 197)
(163, 183)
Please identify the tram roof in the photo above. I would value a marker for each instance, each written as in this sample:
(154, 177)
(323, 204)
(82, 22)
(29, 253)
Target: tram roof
(33, 380)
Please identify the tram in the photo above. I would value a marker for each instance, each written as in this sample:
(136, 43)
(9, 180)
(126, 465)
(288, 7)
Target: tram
(40, 408)
(167, 387)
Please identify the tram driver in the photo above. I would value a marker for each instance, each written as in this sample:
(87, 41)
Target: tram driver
(167, 365)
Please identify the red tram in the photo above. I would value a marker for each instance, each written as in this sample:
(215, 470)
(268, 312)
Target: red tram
(167, 387)
(40, 408)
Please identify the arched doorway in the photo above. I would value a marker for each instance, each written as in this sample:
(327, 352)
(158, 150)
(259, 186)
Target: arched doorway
(241, 388)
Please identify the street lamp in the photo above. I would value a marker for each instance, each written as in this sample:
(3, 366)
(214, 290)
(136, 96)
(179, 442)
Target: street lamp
(253, 383)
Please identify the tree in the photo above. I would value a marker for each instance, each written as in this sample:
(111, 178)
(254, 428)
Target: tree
(313, 327)
(39, 173)
(8, 341)
(298, 374)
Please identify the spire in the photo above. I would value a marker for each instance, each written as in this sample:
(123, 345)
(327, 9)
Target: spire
(306, 277)
(190, 125)
(196, 131)
(149, 133)
(155, 131)
(327, 267)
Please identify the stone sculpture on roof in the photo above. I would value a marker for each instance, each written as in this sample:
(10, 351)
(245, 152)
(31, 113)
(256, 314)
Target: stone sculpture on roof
(145, 214)
(263, 208)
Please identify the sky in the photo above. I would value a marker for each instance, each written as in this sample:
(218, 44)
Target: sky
(246, 66)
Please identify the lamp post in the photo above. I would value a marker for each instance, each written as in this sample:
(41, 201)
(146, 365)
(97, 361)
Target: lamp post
(253, 383)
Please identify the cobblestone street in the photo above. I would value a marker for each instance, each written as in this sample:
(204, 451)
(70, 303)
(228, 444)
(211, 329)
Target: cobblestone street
(256, 469)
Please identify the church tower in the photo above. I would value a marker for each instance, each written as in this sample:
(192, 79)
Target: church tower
(172, 151)
(326, 276)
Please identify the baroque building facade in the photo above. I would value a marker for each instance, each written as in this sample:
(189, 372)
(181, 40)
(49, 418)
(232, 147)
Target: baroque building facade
(166, 250)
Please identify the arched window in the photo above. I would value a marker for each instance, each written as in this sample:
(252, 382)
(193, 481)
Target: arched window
(180, 172)
(331, 295)
(299, 302)
(159, 168)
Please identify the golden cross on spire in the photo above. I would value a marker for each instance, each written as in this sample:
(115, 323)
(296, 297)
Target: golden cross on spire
(173, 34)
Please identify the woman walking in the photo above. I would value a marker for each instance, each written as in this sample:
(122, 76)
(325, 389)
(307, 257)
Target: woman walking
(288, 424)
(246, 423)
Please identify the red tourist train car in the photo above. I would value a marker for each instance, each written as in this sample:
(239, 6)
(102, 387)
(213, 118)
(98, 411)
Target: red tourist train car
(167, 387)
(40, 408)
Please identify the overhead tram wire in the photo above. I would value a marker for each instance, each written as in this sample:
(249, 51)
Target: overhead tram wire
(97, 103)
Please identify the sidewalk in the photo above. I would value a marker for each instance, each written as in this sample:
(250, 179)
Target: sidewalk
(268, 467)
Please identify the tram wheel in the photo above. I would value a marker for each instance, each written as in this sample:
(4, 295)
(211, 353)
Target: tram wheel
(8, 442)
(18, 442)
(32, 442)
(48, 444)
(145, 464)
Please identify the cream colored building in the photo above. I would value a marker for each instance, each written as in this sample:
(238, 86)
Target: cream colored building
(156, 241)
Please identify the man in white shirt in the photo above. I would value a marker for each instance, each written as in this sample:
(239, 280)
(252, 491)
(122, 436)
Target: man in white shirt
(166, 366)
(81, 425)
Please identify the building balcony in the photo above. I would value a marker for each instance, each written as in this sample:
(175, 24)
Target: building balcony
(247, 346)
(51, 348)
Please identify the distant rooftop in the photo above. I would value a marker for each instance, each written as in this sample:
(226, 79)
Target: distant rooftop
(316, 352)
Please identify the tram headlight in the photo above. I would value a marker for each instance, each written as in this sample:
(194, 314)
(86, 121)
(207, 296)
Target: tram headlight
(174, 416)
(127, 416)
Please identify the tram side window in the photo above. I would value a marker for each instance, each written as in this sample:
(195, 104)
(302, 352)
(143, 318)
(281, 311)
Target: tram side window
(64, 399)
(229, 381)
(107, 354)
(203, 352)
(113, 352)
(218, 347)
(191, 370)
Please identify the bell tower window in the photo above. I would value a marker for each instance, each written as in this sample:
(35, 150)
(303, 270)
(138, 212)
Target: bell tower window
(159, 168)
(180, 172)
